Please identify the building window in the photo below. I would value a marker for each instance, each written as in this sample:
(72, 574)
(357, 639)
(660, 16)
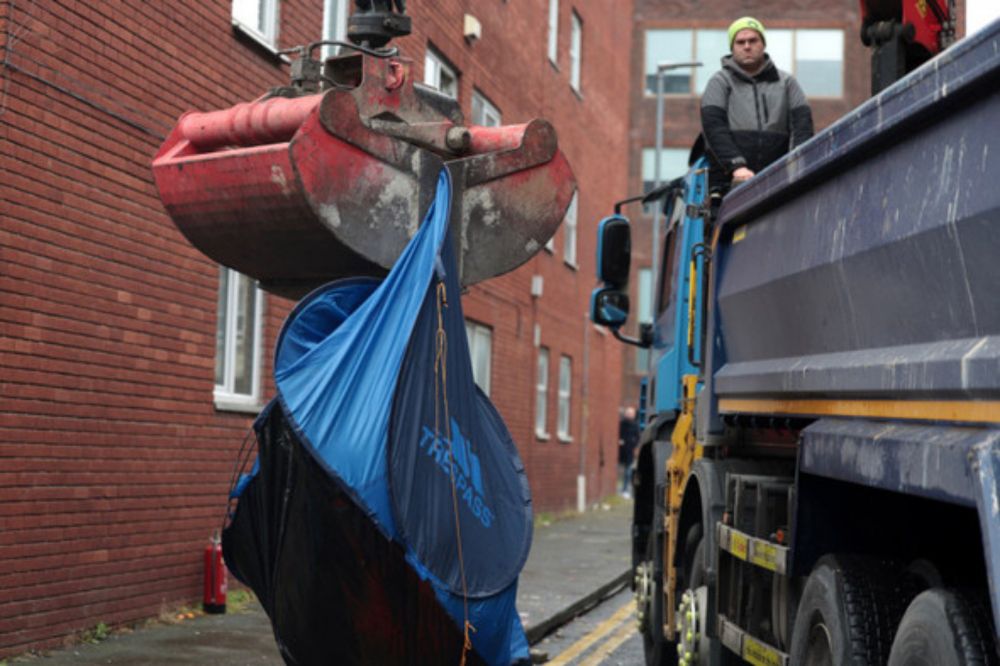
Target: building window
(483, 112)
(575, 51)
(439, 74)
(480, 350)
(258, 18)
(334, 25)
(542, 393)
(565, 388)
(569, 235)
(644, 314)
(553, 29)
(237, 341)
(814, 57)
(673, 164)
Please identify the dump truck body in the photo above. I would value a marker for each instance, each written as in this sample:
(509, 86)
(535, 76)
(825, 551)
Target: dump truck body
(842, 431)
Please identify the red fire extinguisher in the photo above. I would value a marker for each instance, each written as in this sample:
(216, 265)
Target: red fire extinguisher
(215, 577)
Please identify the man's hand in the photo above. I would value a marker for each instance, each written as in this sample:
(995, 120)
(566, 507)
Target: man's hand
(742, 175)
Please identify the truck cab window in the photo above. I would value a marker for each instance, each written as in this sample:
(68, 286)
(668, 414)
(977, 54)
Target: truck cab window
(667, 260)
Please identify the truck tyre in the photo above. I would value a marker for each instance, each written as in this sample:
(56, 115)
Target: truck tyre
(848, 612)
(657, 649)
(944, 628)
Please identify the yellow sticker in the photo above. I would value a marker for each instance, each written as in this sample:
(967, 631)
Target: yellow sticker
(764, 555)
(740, 234)
(759, 654)
(738, 545)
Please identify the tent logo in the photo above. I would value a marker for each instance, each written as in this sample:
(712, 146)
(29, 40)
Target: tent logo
(468, 474)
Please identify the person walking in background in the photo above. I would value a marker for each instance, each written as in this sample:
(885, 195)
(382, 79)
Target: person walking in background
(628, 438)
(752, 113)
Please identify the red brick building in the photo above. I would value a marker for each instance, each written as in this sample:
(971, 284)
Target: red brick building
(131, 366)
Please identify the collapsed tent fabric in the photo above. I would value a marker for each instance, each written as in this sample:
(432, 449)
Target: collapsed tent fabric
(388, 508)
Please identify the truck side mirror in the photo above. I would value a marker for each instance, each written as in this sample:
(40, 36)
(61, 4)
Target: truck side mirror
(609, 307)
(614, 250)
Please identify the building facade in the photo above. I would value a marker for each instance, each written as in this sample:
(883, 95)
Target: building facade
(131, 366)
(818, 42)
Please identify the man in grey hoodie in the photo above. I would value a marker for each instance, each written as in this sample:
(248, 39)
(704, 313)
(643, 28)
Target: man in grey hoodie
(752, 113)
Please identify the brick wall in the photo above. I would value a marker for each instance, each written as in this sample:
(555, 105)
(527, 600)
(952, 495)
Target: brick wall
(510, 66)
(113, 459)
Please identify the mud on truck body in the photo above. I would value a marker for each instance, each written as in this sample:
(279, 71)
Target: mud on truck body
(816, 482)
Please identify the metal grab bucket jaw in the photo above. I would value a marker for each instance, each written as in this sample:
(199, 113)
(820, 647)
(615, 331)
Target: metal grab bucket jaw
(295, 192)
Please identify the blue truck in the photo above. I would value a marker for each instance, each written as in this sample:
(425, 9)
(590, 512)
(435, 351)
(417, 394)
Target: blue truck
(816, 480)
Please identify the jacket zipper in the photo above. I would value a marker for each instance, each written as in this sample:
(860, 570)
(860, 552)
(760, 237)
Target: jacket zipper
(756, 105)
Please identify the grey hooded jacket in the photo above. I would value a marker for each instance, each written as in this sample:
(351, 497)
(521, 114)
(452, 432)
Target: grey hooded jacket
(751, 120)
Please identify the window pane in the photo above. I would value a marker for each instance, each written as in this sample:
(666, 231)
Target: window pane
(575, 48)
(645, 309)
(668, 46)
(220, 327)
(569, 224)
(553, 28)
(565, 379)
(246, 318)
(641, 360)
(439, 74)
(247, 12)
(483, 112)
(480, 340)
(779, 47)
(542, 391)
(334, 24)
(258, 15)
(711, 46)
(819, 56)
(673, 163)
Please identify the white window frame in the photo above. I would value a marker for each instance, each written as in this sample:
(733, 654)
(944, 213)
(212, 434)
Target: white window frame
(575, 51)
(553, 46)
(480, 337)
(334, 25)
(434, 65)
(268, 13)
(484, 113)
(570, 231)
(225, 395)
(564, 416)
(701, 76)
(542, 393)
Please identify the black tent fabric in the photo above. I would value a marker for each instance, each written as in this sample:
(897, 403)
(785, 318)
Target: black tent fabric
(388, 514)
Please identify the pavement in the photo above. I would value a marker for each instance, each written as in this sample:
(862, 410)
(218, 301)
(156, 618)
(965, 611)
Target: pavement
(576, 560)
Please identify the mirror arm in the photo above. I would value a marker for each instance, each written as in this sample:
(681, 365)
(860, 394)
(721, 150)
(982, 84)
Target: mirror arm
(644, 341)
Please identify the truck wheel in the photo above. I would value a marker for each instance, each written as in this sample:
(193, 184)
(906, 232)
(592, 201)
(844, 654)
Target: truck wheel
(944, 628)
(848, 612)
(649, 598)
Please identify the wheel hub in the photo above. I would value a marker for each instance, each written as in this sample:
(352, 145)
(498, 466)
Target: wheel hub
(643, 593)
(692, 643)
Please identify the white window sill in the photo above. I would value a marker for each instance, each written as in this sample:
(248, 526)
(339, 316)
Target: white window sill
(543, 436)
(565, 439)
(225, 402)
(260, 40)
(571, 264)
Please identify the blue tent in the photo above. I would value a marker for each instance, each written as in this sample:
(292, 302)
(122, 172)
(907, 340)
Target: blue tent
(388, 515)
